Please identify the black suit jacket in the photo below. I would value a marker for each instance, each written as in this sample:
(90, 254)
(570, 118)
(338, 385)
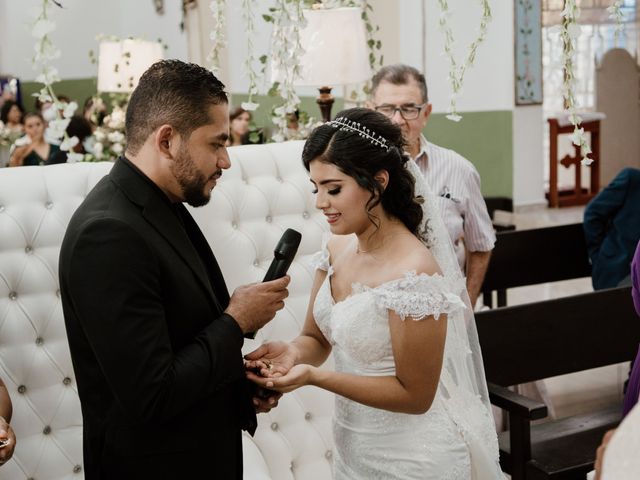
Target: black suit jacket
(158, 365)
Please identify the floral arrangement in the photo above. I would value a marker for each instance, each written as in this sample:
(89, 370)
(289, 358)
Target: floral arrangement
(288, 19)
(457, 70)
(109, 137)
(8, 136)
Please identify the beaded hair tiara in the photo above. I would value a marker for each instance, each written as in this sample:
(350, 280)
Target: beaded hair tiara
(345, 124)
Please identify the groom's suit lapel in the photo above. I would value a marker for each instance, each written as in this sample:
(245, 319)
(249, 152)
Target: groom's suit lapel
(160, 216)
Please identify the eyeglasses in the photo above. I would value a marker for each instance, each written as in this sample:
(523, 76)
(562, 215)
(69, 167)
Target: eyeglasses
(408, 112)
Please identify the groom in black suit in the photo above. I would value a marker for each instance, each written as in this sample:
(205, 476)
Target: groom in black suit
(155, 339)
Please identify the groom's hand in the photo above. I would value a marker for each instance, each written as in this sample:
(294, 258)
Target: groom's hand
(265, 400)
(252, 306)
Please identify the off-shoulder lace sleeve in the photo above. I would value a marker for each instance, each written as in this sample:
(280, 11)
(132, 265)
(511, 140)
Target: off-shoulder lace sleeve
(416, 296)
(320, 259)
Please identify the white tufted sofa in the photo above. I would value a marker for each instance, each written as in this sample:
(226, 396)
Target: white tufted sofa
(264, 192)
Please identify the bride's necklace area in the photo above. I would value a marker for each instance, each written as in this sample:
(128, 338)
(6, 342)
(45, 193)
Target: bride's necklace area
(359, 251)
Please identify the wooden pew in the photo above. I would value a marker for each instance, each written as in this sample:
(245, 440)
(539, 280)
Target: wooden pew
(530, 257)
(531, 342)
(499, 203)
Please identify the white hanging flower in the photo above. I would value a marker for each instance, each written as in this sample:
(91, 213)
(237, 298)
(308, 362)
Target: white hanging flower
(100, 135)
(73, 157)
(115, 137)
(68, 143)
(116, 119)
(58, 127)
(98, 148)
(48, 76)
(577, 135)
(250, 106)
(70, 109)
(586, 161)
(42, 28)
(117, 148)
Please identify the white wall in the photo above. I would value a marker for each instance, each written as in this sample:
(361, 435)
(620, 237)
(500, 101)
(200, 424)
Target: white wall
(78, 24)
(488, 85)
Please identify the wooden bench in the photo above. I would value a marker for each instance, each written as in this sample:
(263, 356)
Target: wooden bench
(504, 204)
(531, 342)
(530, 257)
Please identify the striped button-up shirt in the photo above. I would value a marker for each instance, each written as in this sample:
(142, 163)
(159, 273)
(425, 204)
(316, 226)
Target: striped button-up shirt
(456, 183)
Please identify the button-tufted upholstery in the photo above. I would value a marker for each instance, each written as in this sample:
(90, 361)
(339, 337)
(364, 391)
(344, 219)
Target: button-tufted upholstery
(264, 192)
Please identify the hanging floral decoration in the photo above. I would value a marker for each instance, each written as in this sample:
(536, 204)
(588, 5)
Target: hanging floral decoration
(46, 52)
(615, 13)
(248, 8)
(217, 35)
(457, 70)
(288, 20)
(569, 33)
(360, 94)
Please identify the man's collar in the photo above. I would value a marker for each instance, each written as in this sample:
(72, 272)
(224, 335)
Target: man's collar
(423, 154)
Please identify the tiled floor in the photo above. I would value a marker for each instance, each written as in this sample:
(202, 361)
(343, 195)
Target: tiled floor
(583, 391)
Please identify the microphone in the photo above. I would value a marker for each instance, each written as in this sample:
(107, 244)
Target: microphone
(283, 255)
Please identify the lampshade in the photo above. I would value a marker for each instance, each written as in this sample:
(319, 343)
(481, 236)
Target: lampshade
(121, 63)
(335, 48)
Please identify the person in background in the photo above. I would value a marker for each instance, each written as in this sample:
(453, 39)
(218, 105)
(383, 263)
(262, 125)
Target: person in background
(239, 120)
(80, 128)
(612, 229)
(37, 151)
(400, 93)
(11, 115)
(7, 435)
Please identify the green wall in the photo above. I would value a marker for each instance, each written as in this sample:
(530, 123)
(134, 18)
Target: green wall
(76, 89)
(485, 138)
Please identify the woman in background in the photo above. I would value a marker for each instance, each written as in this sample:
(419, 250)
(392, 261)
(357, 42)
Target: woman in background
(11, 115)
(37, 151)
(239, 120)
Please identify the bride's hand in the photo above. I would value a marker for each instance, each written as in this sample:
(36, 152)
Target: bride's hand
(298, 376)
(273, 359)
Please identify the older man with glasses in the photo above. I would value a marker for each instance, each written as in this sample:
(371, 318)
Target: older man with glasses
(400, 93)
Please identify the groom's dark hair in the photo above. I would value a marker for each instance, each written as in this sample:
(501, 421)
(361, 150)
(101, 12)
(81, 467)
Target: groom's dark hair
(175, 93)
(361, 157)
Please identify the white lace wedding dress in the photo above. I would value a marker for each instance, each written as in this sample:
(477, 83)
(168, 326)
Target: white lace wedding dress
(378, 444)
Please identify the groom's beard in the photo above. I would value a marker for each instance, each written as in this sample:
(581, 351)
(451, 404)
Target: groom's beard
(191, 180)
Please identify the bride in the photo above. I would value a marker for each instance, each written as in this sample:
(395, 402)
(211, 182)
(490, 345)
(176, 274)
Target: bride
(389, 300)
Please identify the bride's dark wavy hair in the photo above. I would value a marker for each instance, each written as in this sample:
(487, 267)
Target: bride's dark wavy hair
(361, 159)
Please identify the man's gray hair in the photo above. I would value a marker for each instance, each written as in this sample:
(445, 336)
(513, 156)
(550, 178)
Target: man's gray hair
(399, 74)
